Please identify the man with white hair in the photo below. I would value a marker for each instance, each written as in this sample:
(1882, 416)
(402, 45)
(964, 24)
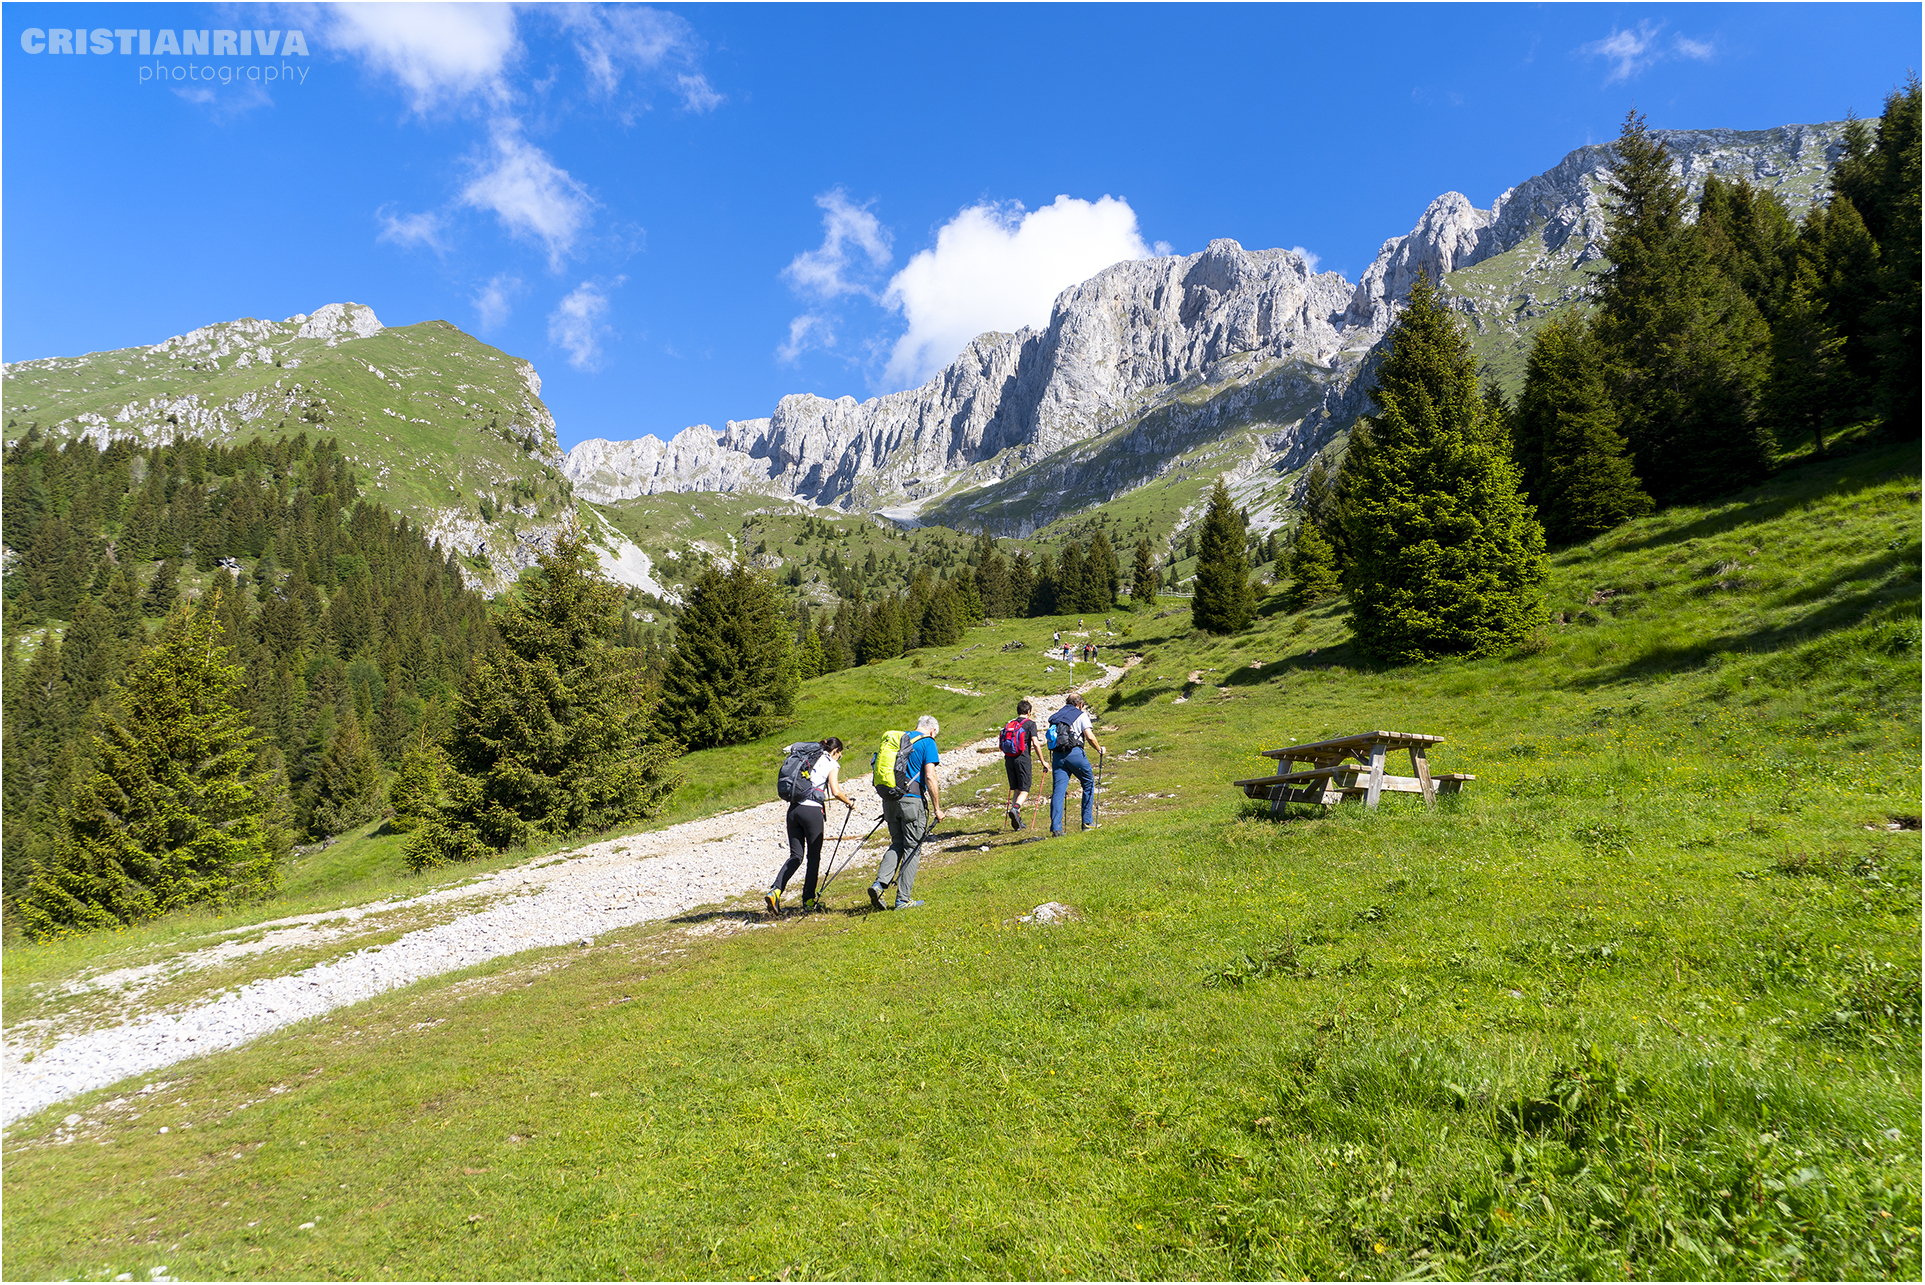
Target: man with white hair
(909, 816)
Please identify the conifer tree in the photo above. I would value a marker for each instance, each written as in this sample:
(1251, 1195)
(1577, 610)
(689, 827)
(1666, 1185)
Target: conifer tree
(809, 659)
(1689, 351)
(881, 633)
(1812, 389)
(1022, 586)
(1072, 588)
(415, 793)
(1101, 577)
(1446, 558)
(1574, 463)
(1894, 317)
(347, 789)
(1313, 568)
(159, 599)
(1043, 598)
(553, 734)
(1144, 576)
(969, 601)
(1224, 603)
(178, 812)
(731, 677)
(942, 618)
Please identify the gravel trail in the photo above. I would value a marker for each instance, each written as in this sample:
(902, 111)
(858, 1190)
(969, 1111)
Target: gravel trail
(554, 901)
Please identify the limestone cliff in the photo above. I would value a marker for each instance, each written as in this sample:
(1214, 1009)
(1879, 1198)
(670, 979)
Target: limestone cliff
(1149, 359)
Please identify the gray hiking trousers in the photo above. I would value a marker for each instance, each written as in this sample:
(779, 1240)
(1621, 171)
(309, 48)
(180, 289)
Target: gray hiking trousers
(908, 822)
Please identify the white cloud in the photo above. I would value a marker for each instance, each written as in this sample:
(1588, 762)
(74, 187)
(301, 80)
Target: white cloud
(1630, 52)
(576, 325)
(615, 43)
(823, 271)
(494, 301)
(411, 229)
(1310, 257)
(532, 196)
(438, 52)
(697, 94)
(997, 268)
(805, 332)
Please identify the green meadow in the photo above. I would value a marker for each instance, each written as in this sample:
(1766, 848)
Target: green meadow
(1642, 1003)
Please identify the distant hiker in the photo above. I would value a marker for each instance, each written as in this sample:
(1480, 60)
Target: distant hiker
(1070, 729)
(1056, 639)
(808, 789)
(906, 780)
(1019, 743)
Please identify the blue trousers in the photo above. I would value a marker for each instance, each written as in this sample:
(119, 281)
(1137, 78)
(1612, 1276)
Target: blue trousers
(1062, 767)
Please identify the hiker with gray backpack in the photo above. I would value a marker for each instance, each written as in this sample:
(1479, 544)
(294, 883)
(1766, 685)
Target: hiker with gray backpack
(807, 780)
(1069, 730)
(905, 778)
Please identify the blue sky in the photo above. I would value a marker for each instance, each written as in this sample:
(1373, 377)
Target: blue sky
(681, 213)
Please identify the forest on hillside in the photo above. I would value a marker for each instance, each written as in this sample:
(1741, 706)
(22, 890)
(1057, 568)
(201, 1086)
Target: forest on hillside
(348, 627)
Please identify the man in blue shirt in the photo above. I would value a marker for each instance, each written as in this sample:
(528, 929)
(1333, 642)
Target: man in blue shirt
(909, 818)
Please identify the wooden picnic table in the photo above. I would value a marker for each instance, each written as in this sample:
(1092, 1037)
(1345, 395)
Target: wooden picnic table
(1351, 767)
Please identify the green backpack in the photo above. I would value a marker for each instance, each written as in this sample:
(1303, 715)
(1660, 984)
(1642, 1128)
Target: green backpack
(891, 763)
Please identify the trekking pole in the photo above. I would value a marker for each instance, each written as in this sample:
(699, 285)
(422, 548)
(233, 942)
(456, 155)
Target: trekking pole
(1097, 806)
(838, 844)
(852, 853)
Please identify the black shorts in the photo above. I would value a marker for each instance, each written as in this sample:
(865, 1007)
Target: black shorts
(1017, 766)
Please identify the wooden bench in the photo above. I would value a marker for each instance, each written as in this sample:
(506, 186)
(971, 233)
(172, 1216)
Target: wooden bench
(1352, 767)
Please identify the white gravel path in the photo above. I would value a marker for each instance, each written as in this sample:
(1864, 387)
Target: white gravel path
(597, 889)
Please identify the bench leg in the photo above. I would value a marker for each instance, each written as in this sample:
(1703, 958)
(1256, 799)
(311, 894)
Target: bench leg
(1376, 787)
(1418, 761)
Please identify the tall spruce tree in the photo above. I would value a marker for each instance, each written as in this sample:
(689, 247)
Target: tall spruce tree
(1894, 317)
(1313, 567)
(1144, 578)
(1072, 579)
(732, 676)
(554, 733)
(1101, 577)
(1224, 602)
(179, 810)
(1812, 389)
(1574, 463)
(347, 789)
(1022, 585)
(1689, 351)
(1446, 558)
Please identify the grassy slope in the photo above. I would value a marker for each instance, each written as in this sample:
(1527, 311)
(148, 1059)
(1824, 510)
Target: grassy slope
(447, 421)
(1643, 1003)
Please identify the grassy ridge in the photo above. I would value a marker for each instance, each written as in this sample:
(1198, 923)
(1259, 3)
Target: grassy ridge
(1643, 1003)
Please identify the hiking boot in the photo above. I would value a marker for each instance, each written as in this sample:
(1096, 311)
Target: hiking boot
(814, 907)
(1015, 819)
(875, 896)
(909, 905)
(773, 900)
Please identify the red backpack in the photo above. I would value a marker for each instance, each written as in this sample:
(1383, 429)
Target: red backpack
(1015, 738)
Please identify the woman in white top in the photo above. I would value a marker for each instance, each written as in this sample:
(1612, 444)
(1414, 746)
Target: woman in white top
(806, 825)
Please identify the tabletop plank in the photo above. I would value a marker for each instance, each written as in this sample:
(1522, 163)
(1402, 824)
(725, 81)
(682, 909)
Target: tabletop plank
(1356, 741)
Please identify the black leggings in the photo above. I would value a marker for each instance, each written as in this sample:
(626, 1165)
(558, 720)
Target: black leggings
(805, 838)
